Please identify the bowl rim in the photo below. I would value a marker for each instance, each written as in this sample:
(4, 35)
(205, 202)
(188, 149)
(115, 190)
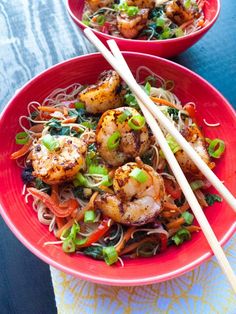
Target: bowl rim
(199, 32)
(99, 278)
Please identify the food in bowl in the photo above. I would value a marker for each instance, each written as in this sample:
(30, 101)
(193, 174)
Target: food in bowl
(145, 20)
(98, 178)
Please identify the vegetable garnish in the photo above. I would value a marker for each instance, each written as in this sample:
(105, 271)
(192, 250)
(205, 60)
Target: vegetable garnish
(79, 105)
(50, 142)
(181, 236)
(110, 255)
(216, 148)
(137, 122)
(22, 138)
(89, 216)
(124, 116)
(188, 217)
(114, 140)
(212, 198)
(197, 184)
(139, 175)
(101, 19)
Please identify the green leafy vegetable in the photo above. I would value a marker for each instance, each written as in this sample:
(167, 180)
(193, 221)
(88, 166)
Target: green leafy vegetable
(212, 198)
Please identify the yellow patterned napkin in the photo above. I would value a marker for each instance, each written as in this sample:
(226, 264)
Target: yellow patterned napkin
(204, 290)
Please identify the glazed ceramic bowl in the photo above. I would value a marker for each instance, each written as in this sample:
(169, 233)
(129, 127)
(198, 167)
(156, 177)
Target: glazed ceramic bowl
(23, 221)
(163, 48)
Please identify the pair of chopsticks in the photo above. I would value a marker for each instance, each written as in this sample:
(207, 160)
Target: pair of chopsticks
(152, 115)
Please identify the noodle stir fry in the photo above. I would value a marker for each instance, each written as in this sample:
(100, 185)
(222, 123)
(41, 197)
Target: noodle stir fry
(145, 20)
(98, 178)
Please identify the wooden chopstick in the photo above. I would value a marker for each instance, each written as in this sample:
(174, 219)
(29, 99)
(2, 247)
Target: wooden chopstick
(196, 208)
(163, 120)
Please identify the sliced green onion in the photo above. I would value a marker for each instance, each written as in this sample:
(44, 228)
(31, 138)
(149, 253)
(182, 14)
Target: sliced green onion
(80, 180)
(101, 19)
(88, 124)
(216, 148)
(50, 142)
(68, 245)
(174, 146)
(97, 169)
(74, 230)
(166, 33)
(197, 184)
(114, 140)
(139, 175)
(65, 233)
(136, 122)
(181, 236)
(132, 10)
(79, 105)
(106, 181)
(22, 138)
(89, 216)
(179, 32)
(79, 242)
(188, 217)
(160, 22)
(86, 22)
(125, 114)
(147, 88)
(187, 4)
(110, 255)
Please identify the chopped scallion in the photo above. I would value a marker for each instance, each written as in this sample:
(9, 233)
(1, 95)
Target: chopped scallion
(89, 216)
(114, 140)
(79, 105)
(188, 217)
(139, 175)
(181, 236)
(197, 184)
(50, 142)
(22, 138)
(110, 255)
(216, 148)
(68, 245)
(137, 122)
(125, 114)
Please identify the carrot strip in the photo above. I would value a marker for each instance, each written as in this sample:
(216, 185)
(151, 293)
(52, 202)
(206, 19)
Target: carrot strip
(22, 151)
(164, 102)
(52, 109)
(59, 209)
(193, 228)
(79, 216)
(125, 239)
(176, 223)
(69, 120)
(37, 128)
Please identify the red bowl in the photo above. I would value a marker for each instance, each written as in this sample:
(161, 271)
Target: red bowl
(163, 48)
(22, 220)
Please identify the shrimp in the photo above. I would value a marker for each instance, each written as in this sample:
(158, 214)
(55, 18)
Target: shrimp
(131, 143)
(61, 164)
(104, 95)
(178, 14)
(133, 203)
(195, 137)
(130, 27)
(141, 3)
(94, 5)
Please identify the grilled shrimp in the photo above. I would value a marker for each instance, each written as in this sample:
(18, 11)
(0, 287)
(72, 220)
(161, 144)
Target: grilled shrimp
(131, 143)
(130, 27)
(141, 3)
(195, 137)
(94, 5)
(104, 95)
(61, 164)
(178, 14)
(133, 203)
